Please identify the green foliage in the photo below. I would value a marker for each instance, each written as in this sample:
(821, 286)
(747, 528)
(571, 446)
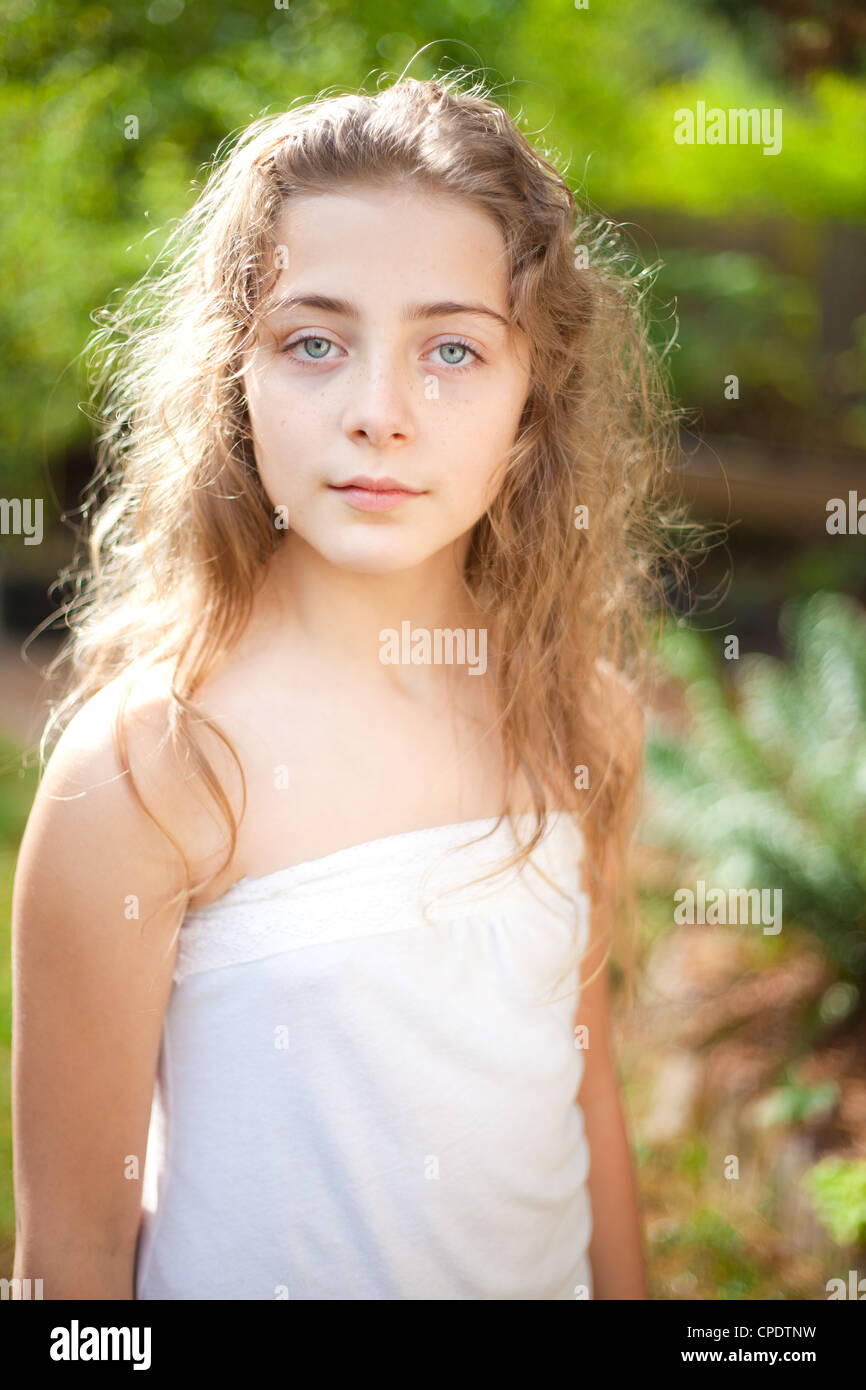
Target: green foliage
(768, 788)
(791, 1103)
(638, 64)
(739, 313)
(837, 1188)
(717, 1254)
(86, 207)
(16, 797)
(692, 1159)
(17, 789)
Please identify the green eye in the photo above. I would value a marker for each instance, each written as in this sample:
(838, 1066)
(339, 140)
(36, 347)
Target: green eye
(460, 347)
(320, 343)
(469, 356)
(315, 349)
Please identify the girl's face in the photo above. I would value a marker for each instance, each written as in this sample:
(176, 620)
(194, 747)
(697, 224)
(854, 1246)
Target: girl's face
(392, 363)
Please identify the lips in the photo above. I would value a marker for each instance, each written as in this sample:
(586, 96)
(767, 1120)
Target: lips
(377, 485)
(374, 494)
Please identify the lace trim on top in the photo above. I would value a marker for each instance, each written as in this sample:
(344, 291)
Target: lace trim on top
(391, 884)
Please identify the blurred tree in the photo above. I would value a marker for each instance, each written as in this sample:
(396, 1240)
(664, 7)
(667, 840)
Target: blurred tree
(768, 786)
(108, 114)
(796, 37)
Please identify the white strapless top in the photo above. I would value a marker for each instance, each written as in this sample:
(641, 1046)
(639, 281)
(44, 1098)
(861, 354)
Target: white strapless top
(356, 1099)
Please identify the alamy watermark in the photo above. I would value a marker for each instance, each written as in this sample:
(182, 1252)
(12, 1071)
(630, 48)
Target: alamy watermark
(855, 1288)
(731, 906)
(846, 519)
(738, 126)
(17, 518)
(20, 1289)
(459, 646)
(77, 1343)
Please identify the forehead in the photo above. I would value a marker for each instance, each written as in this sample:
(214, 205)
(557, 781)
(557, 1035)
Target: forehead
(384, 241)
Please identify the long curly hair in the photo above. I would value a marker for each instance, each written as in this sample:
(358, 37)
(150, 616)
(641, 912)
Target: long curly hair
(180, 528)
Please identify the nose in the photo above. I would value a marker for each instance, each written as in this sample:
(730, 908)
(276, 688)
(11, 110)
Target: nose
(379, 410)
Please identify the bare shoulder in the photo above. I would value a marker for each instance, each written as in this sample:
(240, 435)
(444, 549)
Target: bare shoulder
(99, 895)
(115, 784)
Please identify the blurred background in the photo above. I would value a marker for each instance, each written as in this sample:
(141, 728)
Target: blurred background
(744, 1056)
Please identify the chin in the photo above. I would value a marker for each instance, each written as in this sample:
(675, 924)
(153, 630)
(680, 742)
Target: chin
(378, 554)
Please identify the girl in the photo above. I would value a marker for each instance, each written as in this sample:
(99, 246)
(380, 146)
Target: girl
(349, 753)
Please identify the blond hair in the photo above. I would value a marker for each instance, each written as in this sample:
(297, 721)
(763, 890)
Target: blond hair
(181, 528)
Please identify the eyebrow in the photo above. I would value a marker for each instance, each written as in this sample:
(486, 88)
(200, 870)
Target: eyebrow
(411, 313)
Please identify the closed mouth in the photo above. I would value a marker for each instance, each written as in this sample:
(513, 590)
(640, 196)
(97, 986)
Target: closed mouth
(376, 485)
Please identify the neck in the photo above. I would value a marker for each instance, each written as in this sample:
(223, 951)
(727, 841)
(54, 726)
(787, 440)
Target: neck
(358, 621)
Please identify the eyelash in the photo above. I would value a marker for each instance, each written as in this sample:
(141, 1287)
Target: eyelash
(449, 342)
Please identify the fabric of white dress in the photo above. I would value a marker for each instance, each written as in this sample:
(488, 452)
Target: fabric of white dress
(360, 1099)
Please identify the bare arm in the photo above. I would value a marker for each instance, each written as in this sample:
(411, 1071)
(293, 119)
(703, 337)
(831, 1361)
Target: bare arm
(91, 980)
(616, 1248)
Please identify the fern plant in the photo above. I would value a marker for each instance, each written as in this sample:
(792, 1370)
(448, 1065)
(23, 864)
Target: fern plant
(837, 1188)
(767, 788)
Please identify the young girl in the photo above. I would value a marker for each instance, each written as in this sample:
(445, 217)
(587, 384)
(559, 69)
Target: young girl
(309, 915)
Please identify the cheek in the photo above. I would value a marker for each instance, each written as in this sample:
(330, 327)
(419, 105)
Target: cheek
(269, 447)
(280, 430)
(470, 484)
(283, 424)
(267, 410)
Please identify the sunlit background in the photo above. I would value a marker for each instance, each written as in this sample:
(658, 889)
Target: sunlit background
(744, 1058)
